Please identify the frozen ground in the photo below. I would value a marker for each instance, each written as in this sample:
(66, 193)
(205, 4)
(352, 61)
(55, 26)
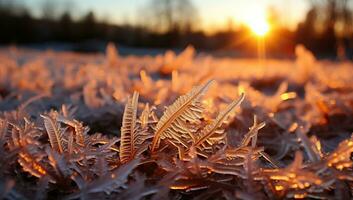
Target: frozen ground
(48, 97)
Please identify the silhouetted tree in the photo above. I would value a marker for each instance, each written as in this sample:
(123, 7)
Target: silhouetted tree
(306, 30)
(49, 9)
(89, 26)
(169, 15)
(66, 27)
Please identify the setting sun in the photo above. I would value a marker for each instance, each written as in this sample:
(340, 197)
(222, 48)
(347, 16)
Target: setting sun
(260, 27)
(258, 24)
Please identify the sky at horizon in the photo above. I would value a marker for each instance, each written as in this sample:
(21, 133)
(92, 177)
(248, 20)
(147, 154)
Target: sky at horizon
(213, 15)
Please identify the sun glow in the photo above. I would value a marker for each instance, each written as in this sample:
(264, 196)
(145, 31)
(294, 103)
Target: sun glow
(260, 27)
(258, 24)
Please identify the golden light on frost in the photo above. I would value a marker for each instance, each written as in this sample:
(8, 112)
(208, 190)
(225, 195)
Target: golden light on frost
(288, 95)
(279, 187)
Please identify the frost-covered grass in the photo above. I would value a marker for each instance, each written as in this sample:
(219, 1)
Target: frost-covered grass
(174, 126)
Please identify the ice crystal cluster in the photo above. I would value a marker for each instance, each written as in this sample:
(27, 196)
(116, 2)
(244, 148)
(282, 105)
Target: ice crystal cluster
(186, 126)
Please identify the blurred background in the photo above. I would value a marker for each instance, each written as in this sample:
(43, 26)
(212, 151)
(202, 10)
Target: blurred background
(222, 27)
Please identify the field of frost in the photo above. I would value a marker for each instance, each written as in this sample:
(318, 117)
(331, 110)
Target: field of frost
(185, 126)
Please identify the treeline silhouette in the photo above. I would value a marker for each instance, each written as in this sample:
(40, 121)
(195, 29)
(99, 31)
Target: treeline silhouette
(172, 30)
(328, 28)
